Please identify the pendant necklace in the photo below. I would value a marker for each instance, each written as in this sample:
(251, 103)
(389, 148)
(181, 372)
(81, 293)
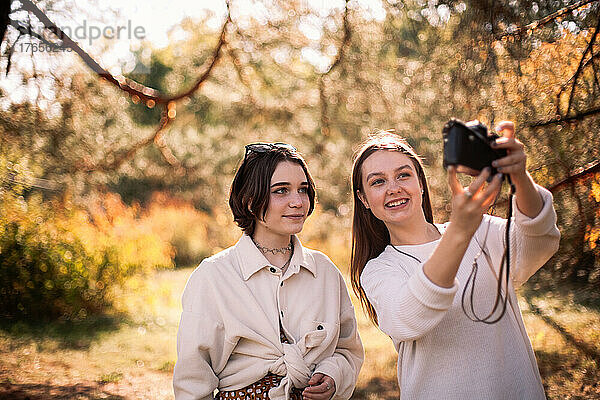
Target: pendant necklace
(406, 254)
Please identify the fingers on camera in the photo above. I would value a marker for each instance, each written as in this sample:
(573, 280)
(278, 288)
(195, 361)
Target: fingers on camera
(508, 160)
(507, 128)
(481, 178)
(489, 191)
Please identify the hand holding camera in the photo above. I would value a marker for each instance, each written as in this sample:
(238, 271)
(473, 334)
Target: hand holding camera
(470, 203)
(470, 148)
(529, 201)
(515, 162)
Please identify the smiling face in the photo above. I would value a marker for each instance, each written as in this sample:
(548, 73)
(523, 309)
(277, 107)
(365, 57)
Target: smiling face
(289, 203)
(391, 188)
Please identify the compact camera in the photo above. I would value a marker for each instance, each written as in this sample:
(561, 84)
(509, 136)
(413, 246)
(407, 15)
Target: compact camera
(469, 144)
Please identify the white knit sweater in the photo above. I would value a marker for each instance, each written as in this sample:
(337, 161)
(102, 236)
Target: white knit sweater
(441, 353)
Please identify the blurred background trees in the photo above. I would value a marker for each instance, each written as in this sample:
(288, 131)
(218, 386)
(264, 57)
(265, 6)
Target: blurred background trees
(319, 76)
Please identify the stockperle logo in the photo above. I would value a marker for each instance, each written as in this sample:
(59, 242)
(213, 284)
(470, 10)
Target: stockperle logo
(93, 32)
(85, 32)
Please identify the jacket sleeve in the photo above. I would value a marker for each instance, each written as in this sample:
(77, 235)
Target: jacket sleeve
(533, 240)
(345, 363)
(199, 342)
(407, 306)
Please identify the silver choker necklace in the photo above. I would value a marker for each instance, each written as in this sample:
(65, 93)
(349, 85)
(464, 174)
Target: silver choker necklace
(281, 250)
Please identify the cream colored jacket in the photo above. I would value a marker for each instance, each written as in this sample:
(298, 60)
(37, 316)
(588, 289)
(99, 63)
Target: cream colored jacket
(229, 330)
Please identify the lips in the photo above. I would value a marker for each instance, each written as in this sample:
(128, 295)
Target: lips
(294, 216)
(396, 203)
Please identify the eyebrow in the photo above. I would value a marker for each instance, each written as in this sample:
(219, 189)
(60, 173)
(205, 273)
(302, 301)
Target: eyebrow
(287, 184)
(372, 174)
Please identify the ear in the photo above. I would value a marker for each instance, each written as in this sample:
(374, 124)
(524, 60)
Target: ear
(250, 209)
(362, 198)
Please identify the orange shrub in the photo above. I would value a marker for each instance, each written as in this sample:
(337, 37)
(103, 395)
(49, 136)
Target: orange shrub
(61, 261)
(193, 234)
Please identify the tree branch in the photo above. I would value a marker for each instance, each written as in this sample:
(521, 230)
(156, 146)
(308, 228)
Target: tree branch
(595, 69)
(589, 49)
(578, 174)
(559, 119)
(215, 59)
(345, 40)
(125, 155)
(133, 88)
(338, 59)
(564, 85)
(136, 90)
(573, 81)
(547, 19)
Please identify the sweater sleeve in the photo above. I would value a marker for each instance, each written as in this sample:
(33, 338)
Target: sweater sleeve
(345, 363)
(199, 343)
(407, 307)
(533, 240)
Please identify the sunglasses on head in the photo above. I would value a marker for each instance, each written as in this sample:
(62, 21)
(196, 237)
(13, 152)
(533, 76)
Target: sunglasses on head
(266, 147)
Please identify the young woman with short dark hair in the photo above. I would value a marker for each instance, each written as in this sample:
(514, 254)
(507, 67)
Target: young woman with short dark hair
(268, 318)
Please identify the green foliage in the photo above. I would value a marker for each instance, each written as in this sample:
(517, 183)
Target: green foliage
(113, 377)
(56, 262)
(43, 271)
(152, 75)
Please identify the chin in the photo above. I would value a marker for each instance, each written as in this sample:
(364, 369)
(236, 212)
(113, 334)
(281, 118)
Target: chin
(395, 218)
(294, 229)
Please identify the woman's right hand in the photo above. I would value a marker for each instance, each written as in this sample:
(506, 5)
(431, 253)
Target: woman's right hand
(468, 206)
(470, 203)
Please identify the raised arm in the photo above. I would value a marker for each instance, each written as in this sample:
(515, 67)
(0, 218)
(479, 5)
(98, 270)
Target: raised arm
(407, 305)
(468, 207)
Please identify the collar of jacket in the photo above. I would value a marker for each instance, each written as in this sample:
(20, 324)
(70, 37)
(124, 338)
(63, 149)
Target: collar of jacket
(252, 260)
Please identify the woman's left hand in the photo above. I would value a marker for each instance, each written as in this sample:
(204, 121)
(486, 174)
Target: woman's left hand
(322, 387)
(515, 162)
(529, 201)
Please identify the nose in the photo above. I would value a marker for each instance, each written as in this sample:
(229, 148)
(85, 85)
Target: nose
(295, 200)
(393, 186)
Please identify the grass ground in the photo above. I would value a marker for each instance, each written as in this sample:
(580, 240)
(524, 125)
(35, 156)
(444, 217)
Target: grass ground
(130, 354)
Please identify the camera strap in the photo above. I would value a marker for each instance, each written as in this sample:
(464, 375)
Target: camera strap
(504, 272)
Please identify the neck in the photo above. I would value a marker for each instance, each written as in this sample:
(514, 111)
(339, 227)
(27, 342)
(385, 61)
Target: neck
(272, 240)
(413, 233)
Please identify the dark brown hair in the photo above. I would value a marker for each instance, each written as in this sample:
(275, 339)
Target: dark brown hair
(250, 189)
(369, 234)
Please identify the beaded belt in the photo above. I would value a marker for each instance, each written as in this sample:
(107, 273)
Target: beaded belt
(258, 390)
